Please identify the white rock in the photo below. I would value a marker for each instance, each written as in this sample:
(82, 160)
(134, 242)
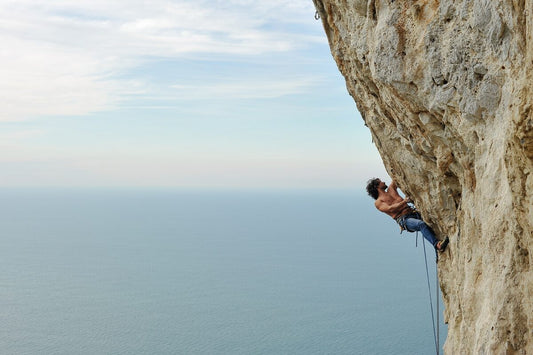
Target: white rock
(451, 83)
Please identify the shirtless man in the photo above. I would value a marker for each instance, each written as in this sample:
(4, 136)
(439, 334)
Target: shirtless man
(390, 202)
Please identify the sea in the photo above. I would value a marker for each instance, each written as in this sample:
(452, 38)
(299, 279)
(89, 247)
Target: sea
(170, 271)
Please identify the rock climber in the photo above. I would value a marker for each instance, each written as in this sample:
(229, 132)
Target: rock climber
(390, 202)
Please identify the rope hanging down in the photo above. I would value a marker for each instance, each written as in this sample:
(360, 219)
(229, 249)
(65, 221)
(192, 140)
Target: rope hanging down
(436, 326)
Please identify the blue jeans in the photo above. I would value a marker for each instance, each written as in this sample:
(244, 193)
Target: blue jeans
(414, 224)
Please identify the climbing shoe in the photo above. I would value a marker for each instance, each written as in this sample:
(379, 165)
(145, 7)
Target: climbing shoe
(441, 246)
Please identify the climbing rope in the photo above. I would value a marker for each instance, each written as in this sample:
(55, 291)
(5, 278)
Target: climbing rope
(437, 298)
(436, 326)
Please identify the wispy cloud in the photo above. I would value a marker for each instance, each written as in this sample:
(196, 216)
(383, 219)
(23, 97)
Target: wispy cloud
(69, 57)
(19, 135)
(244, 89)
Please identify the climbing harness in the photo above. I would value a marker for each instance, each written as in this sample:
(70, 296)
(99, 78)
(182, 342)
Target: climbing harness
(436, 326)
(401, 220)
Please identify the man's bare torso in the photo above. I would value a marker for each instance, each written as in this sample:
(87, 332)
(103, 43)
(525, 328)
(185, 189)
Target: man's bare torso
(391, 203)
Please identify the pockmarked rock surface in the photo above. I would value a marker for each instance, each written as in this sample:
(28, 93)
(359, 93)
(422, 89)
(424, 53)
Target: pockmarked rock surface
(446, 89)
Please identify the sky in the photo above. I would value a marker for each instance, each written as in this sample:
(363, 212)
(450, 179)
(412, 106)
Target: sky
(185, 94)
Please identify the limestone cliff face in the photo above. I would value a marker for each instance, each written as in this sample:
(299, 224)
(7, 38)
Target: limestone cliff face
(446, 88)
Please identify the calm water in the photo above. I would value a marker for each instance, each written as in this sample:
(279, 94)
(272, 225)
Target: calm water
(170, 272)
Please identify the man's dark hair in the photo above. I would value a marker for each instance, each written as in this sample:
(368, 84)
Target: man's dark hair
(372, 188)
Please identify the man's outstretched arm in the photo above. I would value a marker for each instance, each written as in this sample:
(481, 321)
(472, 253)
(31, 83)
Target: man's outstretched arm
(393, 188)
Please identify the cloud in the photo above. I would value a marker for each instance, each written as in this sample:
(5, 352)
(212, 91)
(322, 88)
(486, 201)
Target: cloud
(244, 89)
(70, 57)
(18, 135)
